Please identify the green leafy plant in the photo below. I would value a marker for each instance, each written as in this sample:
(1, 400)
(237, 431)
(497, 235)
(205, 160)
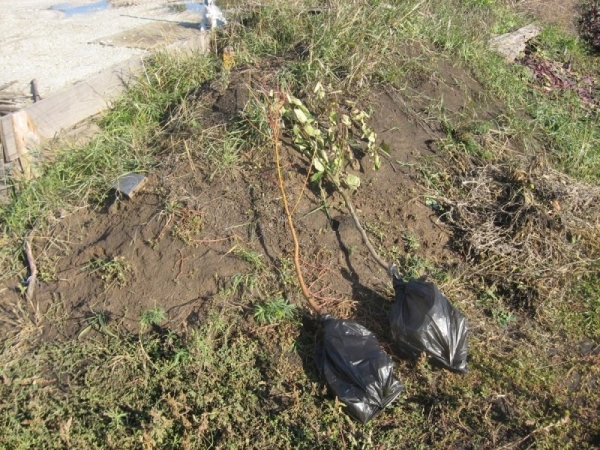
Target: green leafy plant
(274, 311)
(414, 266)
(327, 140)
(116, 416)
(411, 241)
(326, 137)
(113, 271)
(185, 222)
(152, 316)
(251, 257)
(187, 226)
(501, 315)
(241, 284)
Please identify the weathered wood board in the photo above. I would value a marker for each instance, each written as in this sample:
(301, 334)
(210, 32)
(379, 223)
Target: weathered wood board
(63, 110)
(20, 135)
(4, 187)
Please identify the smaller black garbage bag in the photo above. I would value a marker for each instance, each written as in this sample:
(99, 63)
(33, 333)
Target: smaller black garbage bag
(356, 369)
(423, 320)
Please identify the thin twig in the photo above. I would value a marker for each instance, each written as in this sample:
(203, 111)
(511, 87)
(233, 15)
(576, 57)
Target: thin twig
(32, 280)
(207, 241)
(361, 230)
(189, 155)
(164, 228)
(180, 260)
(305, 182)
(417, 6)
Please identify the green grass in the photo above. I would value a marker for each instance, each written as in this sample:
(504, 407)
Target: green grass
(587, 316)
(113, 394)
(254, 258)
(216, 386)
(98, 321)
(153, 316)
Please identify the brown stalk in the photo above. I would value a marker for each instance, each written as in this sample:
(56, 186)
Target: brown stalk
(305, 292)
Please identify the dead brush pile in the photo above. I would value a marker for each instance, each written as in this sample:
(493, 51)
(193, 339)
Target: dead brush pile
(529, 230)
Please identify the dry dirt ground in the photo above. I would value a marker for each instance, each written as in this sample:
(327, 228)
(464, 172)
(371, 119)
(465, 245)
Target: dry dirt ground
(181, 256)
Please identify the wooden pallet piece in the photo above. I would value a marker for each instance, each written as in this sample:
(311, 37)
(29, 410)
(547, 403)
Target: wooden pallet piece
(84, 99)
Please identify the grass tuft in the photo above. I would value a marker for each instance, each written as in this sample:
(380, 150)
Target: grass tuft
(113, 271)
(274, 311)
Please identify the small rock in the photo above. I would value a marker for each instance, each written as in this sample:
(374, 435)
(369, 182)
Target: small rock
(128, 185)
(510, 45)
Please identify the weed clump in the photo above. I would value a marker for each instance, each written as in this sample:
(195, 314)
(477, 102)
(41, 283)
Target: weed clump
(274, 311)
(113, 271)
(152, 317)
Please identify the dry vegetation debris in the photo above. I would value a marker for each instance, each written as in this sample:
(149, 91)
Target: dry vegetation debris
(530, 229)
(590, 23)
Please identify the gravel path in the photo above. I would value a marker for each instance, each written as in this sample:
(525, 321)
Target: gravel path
(56, 49)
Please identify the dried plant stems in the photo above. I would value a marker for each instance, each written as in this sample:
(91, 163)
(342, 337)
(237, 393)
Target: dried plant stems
(274, 123)
(32, 280)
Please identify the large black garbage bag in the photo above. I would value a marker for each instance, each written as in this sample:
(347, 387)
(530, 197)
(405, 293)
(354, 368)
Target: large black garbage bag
(356, 369)
(423, 320)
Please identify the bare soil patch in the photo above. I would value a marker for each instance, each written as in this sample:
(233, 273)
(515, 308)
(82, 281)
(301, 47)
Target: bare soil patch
(180, 267)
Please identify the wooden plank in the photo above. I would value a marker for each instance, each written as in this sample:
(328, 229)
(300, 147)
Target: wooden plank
(20, 134)
(7, 85)
(4, 183)
(10, 141)
(84, 99)
(67, 108)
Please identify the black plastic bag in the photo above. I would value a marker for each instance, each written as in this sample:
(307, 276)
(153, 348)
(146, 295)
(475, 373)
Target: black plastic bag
(356, 369)
(423, 320)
